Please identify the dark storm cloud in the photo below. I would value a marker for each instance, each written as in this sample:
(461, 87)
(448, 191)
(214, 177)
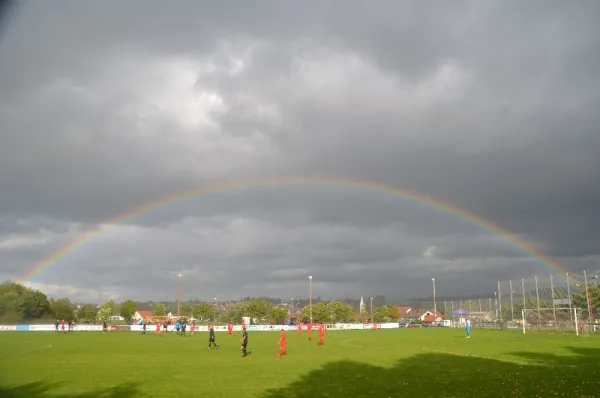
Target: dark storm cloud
(488, 105)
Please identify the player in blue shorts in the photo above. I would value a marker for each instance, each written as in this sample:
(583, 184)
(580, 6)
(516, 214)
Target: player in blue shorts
(468, 328)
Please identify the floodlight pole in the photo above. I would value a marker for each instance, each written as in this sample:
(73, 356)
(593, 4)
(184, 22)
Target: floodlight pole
(569, 298)
(178, 295)
(215, 311)
(512, 310)
(552, 295)
(496, 304)
(310, 296)
(589, 302)
(537, 296)
(434, 302)
(499, 302)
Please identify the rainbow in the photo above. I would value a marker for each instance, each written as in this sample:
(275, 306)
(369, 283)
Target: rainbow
(438, 204)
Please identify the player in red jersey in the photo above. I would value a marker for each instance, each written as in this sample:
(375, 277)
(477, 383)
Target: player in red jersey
(157, 328)
(230, 329)
(299, 328)
(192, 328)
(282, 345)
(62, 326)
(310, 330)
(321, 334)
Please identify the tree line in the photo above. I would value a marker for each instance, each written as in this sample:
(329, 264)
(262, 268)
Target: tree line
(19, 303)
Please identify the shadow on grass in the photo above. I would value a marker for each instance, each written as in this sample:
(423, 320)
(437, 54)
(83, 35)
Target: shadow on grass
(448, 375)
(43, 390)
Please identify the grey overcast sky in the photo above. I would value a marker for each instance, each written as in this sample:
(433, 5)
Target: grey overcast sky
(104, 106)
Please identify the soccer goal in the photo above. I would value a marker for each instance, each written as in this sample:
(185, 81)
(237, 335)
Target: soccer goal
(552, 319)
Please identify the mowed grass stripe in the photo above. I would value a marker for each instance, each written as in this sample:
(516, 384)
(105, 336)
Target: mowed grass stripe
(404, 362)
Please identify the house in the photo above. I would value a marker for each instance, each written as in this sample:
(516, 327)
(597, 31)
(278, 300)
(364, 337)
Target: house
(428, 316)
(143, 315)
(405, 312)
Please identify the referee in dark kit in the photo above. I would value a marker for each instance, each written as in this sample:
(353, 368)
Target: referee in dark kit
(244, 342)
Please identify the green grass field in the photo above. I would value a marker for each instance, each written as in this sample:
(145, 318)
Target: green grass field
(381, 363)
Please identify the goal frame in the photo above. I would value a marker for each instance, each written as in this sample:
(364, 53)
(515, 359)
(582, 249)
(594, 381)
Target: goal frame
(574, 323)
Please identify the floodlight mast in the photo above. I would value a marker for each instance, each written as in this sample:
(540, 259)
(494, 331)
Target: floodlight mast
(310, 297)
(178, 295)
(434, 302)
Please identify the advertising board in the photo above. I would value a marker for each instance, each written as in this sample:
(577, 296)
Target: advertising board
(7, 328)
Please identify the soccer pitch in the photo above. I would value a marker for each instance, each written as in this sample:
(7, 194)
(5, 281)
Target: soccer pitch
(370, 363)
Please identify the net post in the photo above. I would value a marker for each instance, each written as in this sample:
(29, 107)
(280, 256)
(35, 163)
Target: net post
(537, 296)
(576, 322)
(523, 322)
(552, 295)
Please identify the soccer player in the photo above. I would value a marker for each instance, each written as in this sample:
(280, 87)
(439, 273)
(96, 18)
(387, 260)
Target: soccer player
(282, 345)
(230, 329)
(244, 346)
(299, 328)
(183, 325)
(321, 334)
(56, 325)
(211, 337)
(165, 327)
(468, 328)
(192, 328)
(62, 326)
(157, 328)
(310, 330)
(177, 327)
(144, 327)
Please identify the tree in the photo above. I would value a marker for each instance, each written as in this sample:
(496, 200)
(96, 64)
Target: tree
(86, 312)
(22, 302)
(159, 309)
(234, 312)
(8, 300)
(187, 309)
(278, 315)
(320, 313)
(32, 304)
(341, 312)
(581, 300)
(107, 310)
(385, 314)
(11, 287)
(62, 309)
(203, 312)
(258, 309)
(128, 309)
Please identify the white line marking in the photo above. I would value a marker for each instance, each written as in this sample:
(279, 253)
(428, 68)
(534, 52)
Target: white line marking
(482, 357)
(39, 349)
(346, 341)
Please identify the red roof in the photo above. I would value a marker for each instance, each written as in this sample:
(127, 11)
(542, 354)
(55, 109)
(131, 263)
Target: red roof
(429, 318)
(404, 310)
(145, 314)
